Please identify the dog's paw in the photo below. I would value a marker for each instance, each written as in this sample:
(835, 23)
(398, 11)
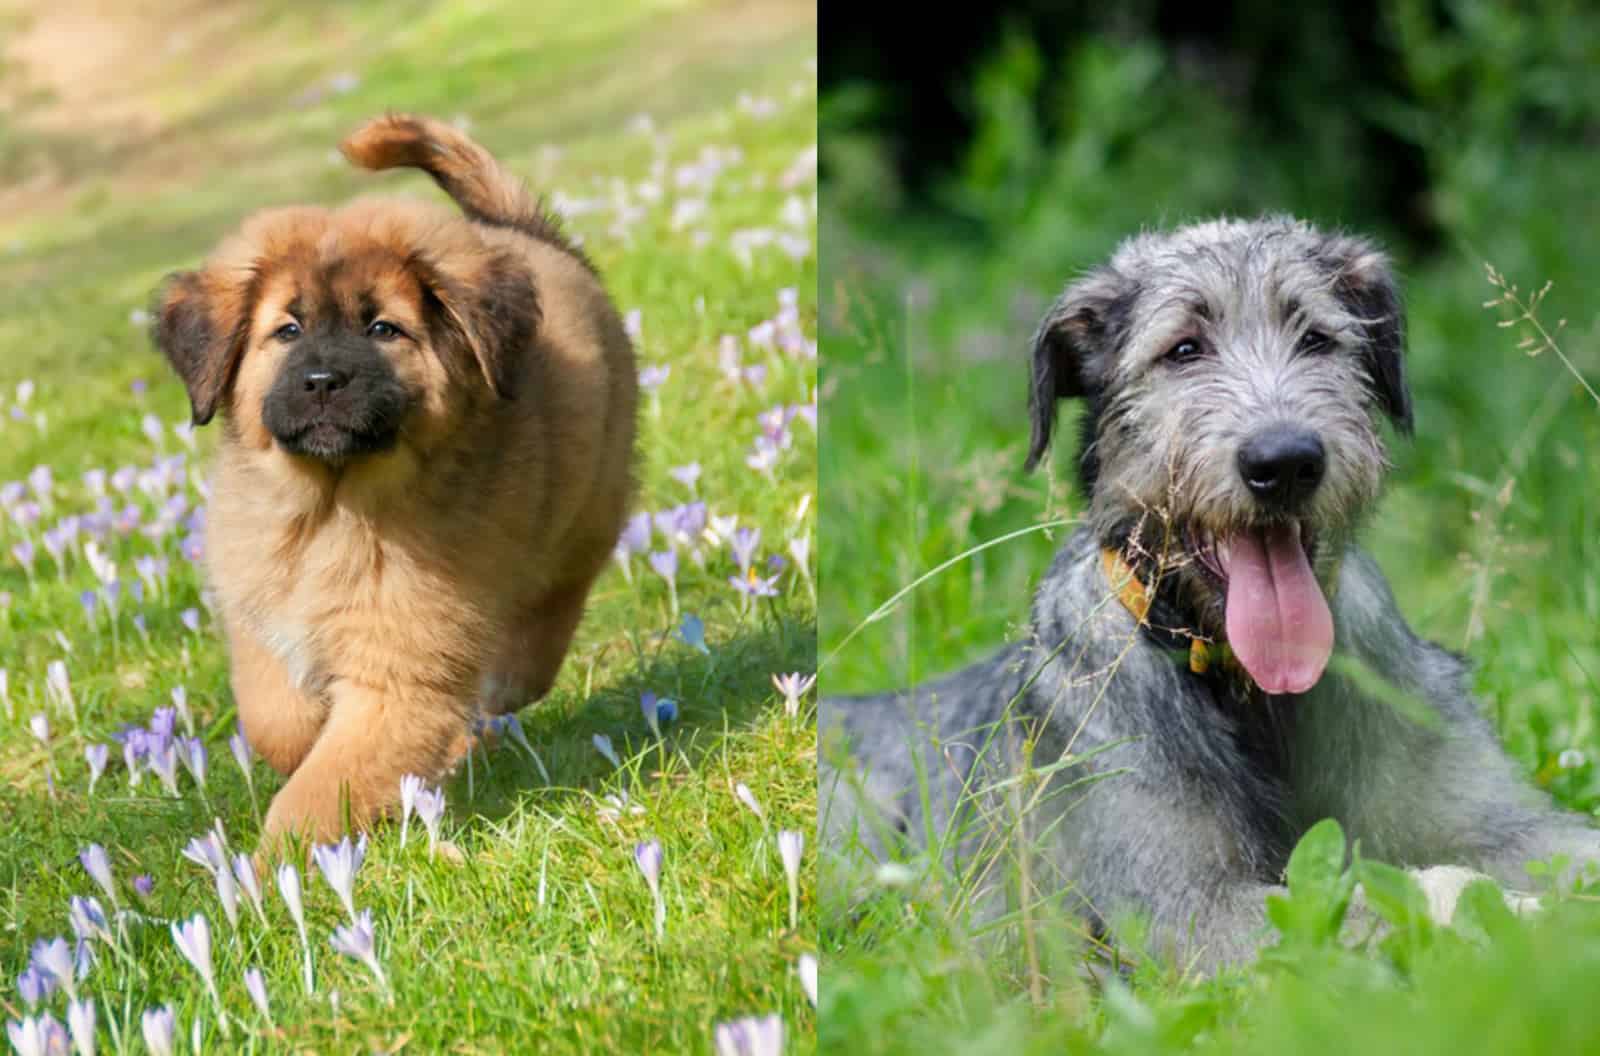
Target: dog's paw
(1442, 886)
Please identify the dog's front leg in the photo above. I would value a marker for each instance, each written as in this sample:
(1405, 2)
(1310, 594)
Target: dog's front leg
(1192, 865)
(373, 737)
(280, 720)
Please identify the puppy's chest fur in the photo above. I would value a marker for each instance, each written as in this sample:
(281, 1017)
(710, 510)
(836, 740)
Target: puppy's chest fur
(335, 595)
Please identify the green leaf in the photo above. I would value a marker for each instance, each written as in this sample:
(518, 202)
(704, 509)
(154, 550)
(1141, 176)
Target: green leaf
(1393, 894)
(1319, 887)
(1482, 914)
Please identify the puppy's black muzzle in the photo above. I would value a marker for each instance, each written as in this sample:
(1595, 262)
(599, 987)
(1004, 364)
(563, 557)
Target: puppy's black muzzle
(335, 399)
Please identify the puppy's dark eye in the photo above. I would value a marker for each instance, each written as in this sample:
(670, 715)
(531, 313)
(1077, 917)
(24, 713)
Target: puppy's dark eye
(383, 330)
(287, 332)
(1313, 342)
(1186, 351)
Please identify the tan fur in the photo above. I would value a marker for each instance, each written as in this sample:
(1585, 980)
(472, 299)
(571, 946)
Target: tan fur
(367, 602)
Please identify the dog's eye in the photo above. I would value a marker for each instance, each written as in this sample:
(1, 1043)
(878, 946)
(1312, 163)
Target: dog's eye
(287, 332)
(1313, 342)
(383, 330)
(1186, 351)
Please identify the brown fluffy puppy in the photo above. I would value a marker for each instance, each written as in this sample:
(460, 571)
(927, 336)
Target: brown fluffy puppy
(427, 436)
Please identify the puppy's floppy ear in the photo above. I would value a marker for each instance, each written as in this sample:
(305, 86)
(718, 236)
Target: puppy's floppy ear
(1072, 348)
(1365, 282)
(201, 324)
(492, 308)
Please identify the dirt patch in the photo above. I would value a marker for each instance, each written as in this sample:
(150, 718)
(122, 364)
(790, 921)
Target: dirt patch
(88, 65)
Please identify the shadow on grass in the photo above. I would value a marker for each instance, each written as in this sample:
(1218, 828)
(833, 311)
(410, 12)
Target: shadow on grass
(146, 830)
(728, 690)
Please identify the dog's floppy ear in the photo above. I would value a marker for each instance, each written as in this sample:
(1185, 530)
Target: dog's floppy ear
(1072, 346)
(201, 324)
(493, 311)
(1365, 282)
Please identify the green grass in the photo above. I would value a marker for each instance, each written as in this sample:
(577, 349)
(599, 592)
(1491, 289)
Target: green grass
(531, 929)
(1490, 534)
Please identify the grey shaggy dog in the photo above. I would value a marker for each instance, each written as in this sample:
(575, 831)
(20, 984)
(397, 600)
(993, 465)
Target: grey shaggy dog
(1234, 375)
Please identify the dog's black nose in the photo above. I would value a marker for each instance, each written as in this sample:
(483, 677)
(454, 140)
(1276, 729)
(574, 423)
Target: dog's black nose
(324, 382)
(1282, 465)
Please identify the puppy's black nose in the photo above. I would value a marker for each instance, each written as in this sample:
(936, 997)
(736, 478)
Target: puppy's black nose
(323, 382)
(1282, 465)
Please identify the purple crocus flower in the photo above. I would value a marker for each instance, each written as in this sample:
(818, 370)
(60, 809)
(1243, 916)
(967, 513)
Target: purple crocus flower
(160, 1028)
(430, 809)
(750, 1036)
(793, 686)
(194, 759)
(55, 957)
(256, 984)
(338, 864)
(35, 984)
(763, 455)
(55, 544)
(97, 864)
(358, 940)
(753, 586)
(652, 378)
(42, 482)
(647, 856)
(743, 546)
(193, 939)
(791, 843)
(88, 919)
(38, 1037)
(127, 521)
(191, 619)
(693, 633)
(135, 753)
(163, 722)
(25, 554)
(163, 759)
(80, 1022)
(240, 748)
(649, 705)
(687, 475)
(636, 534)
(665, 564)
(145, 566)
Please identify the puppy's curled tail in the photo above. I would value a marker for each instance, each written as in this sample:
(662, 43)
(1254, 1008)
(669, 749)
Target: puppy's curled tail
(483, 189)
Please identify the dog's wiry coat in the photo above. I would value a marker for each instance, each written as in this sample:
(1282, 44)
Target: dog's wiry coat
(426, 459)
(1188, 347)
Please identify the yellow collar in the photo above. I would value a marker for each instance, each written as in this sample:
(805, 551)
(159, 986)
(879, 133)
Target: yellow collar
(1136, 598)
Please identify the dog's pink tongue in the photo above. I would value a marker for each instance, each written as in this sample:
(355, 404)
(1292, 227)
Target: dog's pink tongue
(1278, 621)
